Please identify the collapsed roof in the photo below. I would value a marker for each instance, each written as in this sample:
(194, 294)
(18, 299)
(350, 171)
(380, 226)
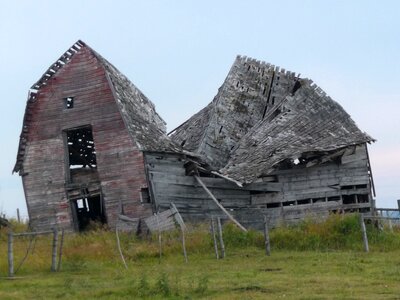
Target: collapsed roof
(145, 126)
(262, 116)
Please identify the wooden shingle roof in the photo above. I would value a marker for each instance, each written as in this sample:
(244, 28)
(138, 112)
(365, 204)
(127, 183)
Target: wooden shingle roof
(263, 115)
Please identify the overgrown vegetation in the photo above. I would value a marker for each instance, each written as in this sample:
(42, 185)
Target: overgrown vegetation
(309, 261)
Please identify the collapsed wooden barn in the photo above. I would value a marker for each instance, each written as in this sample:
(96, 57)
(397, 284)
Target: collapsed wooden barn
(93, 147)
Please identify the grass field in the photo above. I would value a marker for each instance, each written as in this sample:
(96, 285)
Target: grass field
(309, 261)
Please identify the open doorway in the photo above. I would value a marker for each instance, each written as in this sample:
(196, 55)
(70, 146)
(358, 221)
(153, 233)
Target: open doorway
(88, 210)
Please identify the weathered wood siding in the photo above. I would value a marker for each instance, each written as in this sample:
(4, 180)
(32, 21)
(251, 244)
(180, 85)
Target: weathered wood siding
(120, 167)
(296, 194)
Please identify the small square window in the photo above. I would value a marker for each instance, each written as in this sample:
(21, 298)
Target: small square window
(144, 195)
(69, 102)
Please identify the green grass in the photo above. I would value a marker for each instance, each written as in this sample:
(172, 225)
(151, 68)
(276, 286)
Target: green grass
(308, 261)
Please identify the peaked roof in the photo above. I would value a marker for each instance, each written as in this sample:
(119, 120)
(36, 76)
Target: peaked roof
(263, 115)
(145, 126)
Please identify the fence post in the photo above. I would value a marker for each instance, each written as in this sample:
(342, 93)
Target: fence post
(159, 237)
(10, 254)
(214, 238)
(221, 240)
(390, 225)
(54, 251)
(364, 233)
(398, 204)
(266, 237)
(184, 244)
(18, 216)
(60, 251)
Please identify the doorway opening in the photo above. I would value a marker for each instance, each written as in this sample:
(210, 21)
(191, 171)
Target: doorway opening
(89, 212)
(81, 155)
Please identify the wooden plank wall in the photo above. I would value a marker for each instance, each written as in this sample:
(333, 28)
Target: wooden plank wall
(120, 164)
(297, 193)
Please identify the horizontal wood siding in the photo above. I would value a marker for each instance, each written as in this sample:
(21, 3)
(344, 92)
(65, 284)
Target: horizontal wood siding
(298, 193)
(120, 167)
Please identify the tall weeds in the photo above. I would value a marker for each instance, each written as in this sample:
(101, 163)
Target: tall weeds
(99, 246)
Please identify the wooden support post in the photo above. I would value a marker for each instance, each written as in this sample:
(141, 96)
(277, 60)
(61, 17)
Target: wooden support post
(184, 244)
(60, 250)
(119, 248)
(398, 204)
(221, 240)
(364, 233)
(18, 216)
(10, 255)
(390, 225)
(266, 237)
(179, 220)
(214, 238)
(370, 172)
(159, 236)
(219, 204)
(54, 251)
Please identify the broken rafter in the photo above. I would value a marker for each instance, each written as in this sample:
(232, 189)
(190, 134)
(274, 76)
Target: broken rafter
(227, 178)
(219, 204)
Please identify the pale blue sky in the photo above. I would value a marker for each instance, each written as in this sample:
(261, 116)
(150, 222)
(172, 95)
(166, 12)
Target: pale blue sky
(179, 52)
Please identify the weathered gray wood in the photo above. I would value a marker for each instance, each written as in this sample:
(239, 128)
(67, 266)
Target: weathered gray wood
(214, 238)
(119, 249)
(219, 205)
(298, 185)
(370, 172)
(127, 224)
(178, 217)
(54, 251)
(159, 235)
(18, 217)
(163, 221)
(60, 250)
(184, 244)
(379, 218)
(10, 255)
(364, 233)
(33, 233)
(266, 237)
(227, 178)
(221, 238)
(390, 225)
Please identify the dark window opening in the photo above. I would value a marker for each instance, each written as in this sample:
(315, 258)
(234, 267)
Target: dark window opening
(273, 205)
(183, 143)
(361, 186)
(144, 195)
(69, 102)
(81, 150)
(89, 210)
(303, 201)
(349, 199)
(288, 203)
(347, 187)
(364, 210)
(362, 198)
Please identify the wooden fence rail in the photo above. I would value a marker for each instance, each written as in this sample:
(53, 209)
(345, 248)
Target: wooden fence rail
(54, 266)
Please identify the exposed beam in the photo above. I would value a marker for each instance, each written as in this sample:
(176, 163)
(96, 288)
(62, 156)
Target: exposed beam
(219, 204)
